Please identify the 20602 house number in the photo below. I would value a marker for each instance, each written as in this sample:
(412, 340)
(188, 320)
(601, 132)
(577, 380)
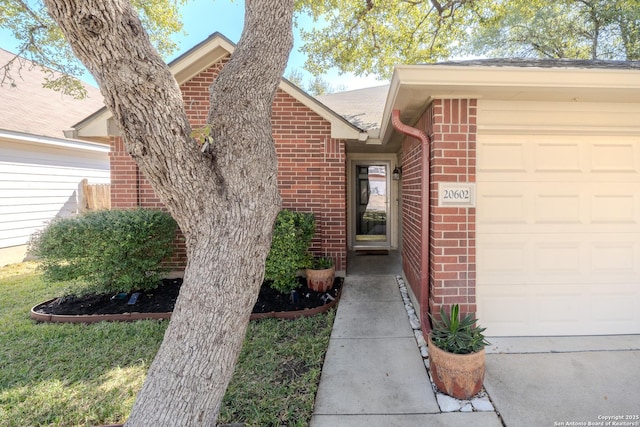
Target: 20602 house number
(457, 194)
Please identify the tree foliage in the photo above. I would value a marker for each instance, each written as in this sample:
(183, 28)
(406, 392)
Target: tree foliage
(42, 42)
(579, 29)
(372, 36)
(315, 86)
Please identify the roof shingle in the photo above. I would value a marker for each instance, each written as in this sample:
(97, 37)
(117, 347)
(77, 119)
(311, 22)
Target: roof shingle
(27, 107)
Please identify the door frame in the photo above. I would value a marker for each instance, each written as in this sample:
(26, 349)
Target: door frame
(390, 160)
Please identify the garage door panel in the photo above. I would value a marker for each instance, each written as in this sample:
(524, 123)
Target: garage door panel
(562, 258)
(551, 207)
(589, 207)
(557, 157)
(573, 310)
(523, 311)
(504, 312)
(503, 156)
(615, 157)
(558, 235)
(558, 258)
(514, 202)
(615, 303)
(605, 158)
(510, 207)
(615, 204)
(610, 177)
(566, 307)
(502, 258)
(620, 258)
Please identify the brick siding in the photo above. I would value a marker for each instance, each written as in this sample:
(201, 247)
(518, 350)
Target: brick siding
(311, 168)
(451, 124)
(413, 234)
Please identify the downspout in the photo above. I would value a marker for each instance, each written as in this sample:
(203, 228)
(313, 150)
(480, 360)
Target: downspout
(138, 185)
(425, 142)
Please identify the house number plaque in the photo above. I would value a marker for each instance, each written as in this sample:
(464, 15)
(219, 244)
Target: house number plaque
(457, 194)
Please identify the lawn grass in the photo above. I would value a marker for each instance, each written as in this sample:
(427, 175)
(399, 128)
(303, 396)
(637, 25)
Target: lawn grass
(66, 374)
(86, 375)
(277, 375)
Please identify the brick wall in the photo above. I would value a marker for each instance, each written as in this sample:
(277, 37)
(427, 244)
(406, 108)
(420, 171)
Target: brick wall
(413, 214)
(130, 189)
(311, 168)
(312, 173)
(451, 124)
(453, 244)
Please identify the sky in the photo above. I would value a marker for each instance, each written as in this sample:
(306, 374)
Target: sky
(204, 17)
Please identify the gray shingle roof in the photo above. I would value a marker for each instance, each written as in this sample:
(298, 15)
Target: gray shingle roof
(545, 63)
(27, 107)
(362, 107)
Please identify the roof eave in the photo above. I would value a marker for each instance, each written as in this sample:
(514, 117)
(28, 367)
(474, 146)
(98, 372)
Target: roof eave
(202, 56)
(340, 127)
(414, 86)
(74, 144)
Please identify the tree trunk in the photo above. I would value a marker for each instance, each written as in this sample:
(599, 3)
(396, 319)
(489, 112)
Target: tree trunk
(225, 201)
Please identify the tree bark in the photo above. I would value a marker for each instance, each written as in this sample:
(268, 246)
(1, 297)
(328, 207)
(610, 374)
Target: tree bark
(225, 202)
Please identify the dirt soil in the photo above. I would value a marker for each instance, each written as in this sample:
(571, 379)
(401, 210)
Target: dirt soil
(163, 298)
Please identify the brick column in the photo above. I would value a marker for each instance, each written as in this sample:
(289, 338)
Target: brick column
(453, 229)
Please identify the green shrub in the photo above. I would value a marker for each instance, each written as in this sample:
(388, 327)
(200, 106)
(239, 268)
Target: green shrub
(292, 236)
(106, 251)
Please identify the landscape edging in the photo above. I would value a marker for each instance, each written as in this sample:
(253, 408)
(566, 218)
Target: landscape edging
(134, 316)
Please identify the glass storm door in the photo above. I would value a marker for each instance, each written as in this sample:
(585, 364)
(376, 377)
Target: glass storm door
(372, 204)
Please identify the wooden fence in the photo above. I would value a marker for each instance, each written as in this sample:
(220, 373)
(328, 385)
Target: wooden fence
(94, 197)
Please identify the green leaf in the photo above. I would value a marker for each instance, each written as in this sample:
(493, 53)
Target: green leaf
(291, 240)
(106, 251)
(457, 336)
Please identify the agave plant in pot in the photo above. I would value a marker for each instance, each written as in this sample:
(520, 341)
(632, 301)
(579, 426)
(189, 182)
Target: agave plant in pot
(456, 354)
(320, 274)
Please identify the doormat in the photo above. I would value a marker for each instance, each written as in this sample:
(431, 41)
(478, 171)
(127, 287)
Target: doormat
(372, 252)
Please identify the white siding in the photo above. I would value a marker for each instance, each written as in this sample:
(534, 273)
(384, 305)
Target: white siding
(39, 182)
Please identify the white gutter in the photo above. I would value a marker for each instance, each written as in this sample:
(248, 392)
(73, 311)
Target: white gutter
(55, 142)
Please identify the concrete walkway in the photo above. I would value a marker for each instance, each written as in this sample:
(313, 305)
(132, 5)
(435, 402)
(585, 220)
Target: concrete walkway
(374, 375)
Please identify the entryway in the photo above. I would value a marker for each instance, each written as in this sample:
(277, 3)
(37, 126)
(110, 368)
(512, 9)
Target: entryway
(371, 263)
(372, 202)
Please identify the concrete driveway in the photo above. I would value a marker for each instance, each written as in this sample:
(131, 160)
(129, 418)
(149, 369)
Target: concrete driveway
(565, 381)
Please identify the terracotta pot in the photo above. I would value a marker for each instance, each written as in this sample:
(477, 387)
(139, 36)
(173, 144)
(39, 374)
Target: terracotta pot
(458, 375)
(320, 280)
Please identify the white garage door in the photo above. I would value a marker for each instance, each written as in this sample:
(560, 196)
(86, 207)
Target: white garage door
(558, 234)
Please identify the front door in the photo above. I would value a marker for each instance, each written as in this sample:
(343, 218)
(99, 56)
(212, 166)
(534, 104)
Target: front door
(372, 188)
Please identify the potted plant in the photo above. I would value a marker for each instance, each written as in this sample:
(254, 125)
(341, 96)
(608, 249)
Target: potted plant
(456, 354)
(320, 274)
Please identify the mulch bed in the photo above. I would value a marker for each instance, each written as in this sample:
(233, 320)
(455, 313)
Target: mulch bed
(163, 298)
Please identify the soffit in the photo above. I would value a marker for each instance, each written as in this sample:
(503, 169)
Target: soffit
(414, 87)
